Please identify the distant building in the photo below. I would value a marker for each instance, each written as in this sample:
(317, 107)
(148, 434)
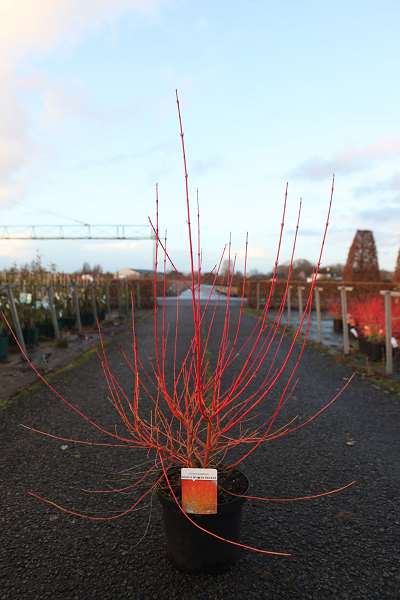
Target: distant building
(129, 273)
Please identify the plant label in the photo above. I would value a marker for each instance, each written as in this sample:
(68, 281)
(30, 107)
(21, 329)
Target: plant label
(199, 491)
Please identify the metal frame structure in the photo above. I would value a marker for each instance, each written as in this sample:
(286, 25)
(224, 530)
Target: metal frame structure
(76, 232)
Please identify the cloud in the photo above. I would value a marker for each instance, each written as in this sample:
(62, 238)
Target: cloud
(388, 213)
(12, 249)
(391, 184)
(29, 28)
(201, 167)
(306, 232)
(115, 159)
(350, 161)
(31, 25)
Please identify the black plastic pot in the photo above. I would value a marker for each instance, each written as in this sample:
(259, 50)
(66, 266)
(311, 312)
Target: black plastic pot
(87, 318)
(337, 325)
(3, 347)
(46, 329)
(67, 322)
(374, 350)
(191, 550)
(31, 336)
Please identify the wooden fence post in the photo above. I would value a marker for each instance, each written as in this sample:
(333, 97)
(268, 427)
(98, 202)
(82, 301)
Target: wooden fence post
(300, 290)
(343, 299)
(77, 310)
(289, 304)
(15, 317)
(388, 295)
(127, 297)
(119, 292)
(108, 301)
(53, 313)
(94, 306)
(317, 291)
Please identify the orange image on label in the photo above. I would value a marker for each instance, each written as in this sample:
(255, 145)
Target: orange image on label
(199, 491)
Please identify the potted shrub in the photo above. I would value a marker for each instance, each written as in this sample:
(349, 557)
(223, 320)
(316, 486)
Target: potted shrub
(335, 311)
(3, 343)
(193, 410)
(29, 327)
(67, 317)
(369, 315)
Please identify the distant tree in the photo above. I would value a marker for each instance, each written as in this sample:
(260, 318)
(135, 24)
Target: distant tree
(97, 270)
(254, 273)
(86, 268)
(362, 261)
(227, 267)
(387, 275)
(36, 264)
(396, 276)
(301, 269)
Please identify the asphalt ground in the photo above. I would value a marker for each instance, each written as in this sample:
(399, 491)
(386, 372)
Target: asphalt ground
(345, 546)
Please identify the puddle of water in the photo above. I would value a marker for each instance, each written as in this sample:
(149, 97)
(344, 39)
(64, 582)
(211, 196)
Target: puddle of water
(206, 293)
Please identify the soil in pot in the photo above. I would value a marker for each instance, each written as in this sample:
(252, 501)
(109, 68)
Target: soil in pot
(188, 548)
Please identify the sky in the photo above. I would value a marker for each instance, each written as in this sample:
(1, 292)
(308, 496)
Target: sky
(270, 92)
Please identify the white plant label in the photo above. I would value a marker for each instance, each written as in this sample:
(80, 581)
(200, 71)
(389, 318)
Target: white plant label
(199, 474)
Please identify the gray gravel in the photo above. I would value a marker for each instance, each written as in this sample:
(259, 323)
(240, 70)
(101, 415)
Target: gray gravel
(344, 546)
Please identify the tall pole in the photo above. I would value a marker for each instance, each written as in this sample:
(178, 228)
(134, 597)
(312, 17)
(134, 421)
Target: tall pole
(94, 306)
(119, 291)
(300, 300)
(108, 301)
(15, 317)
(289, 304)
(343, 299)
(317, 291)
(53, 313)
(258, 295)
(388, 295)
(77, 310)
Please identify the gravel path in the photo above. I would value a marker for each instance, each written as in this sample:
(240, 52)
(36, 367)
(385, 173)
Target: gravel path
(344, 546)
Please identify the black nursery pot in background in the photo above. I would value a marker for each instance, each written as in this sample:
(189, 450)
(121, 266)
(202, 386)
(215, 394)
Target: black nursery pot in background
(374, 350)
(191, 550)
(337, 325)
(31, 336)
(46, 329)
(3, 347)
